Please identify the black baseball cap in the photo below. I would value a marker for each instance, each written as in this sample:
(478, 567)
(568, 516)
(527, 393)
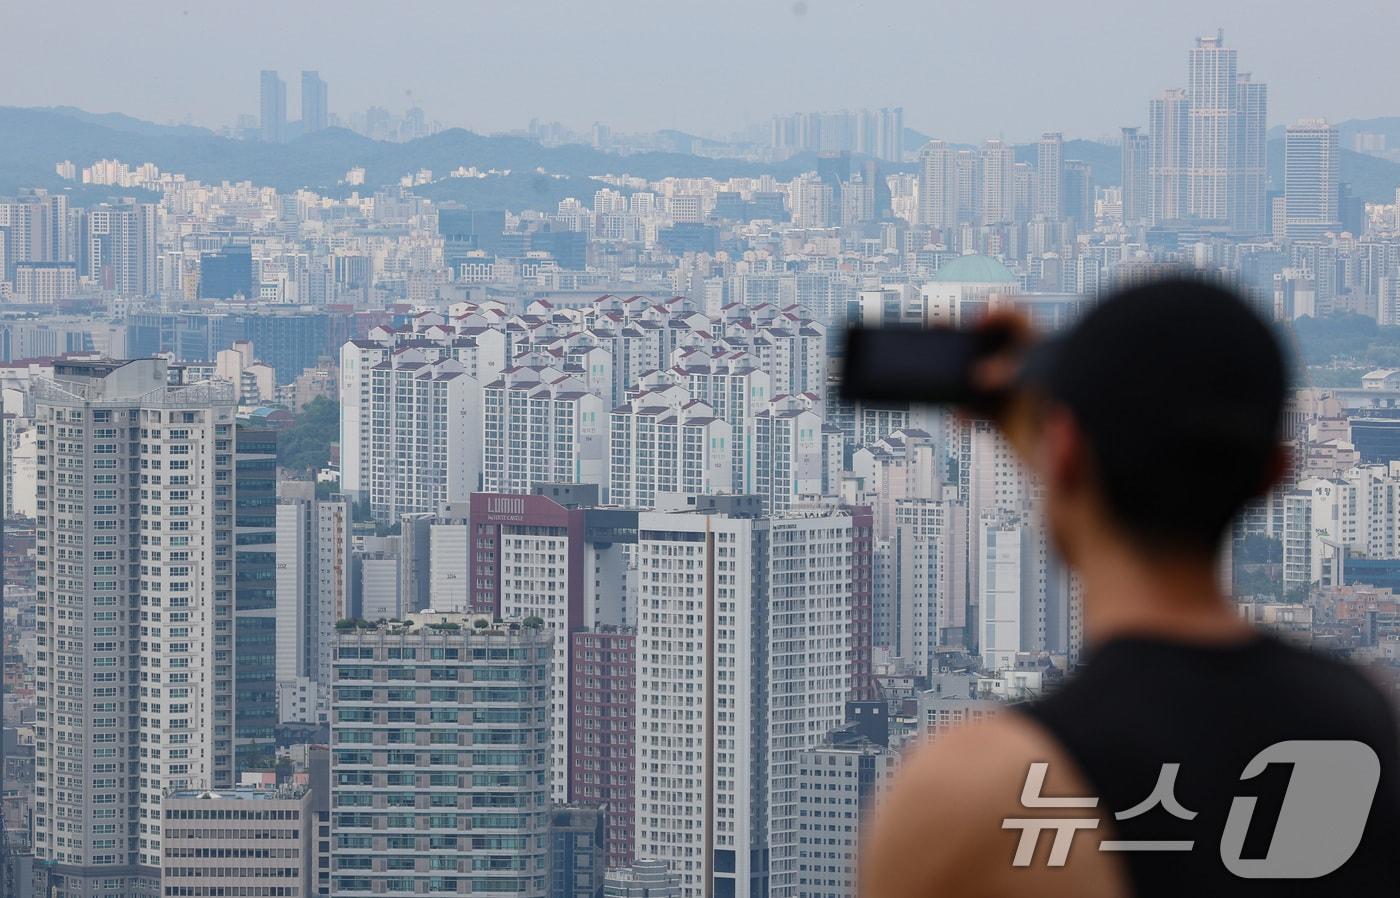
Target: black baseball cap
(1179, 388)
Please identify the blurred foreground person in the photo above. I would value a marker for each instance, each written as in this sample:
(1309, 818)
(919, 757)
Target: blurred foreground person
(1191, 755)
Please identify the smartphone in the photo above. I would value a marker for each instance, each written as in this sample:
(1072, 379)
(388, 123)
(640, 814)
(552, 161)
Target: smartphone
(915, 364)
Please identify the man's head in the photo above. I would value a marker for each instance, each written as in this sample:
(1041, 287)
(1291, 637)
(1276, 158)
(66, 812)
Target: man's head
(1159, 420)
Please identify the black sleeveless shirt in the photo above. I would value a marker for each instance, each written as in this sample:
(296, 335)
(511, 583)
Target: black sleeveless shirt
(1211, 709)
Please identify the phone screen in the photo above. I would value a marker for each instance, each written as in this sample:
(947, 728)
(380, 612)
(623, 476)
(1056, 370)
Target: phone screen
(904, 364)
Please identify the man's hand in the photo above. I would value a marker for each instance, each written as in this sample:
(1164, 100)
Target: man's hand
(998, 375)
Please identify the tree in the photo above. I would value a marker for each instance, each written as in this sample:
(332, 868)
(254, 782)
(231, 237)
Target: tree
(306, 445)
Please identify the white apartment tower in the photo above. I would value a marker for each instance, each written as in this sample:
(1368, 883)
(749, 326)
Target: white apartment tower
(663, 441)
(408, 428)
(744, 663)
(540, 425)
(313, 593)
(134, 670)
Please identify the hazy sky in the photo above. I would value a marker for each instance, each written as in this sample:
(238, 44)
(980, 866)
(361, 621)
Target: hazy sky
(962, 69)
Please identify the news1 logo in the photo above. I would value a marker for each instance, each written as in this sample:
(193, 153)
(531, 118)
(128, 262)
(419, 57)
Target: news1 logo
(1323, 816)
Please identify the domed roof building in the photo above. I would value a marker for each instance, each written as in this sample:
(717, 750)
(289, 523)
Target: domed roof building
(974, 269)
(962, 289)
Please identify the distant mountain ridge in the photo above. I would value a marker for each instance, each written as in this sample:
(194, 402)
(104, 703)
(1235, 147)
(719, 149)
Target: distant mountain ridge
(37, 138)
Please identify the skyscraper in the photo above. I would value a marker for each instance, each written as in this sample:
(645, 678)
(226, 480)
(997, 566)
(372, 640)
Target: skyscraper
(1169, 120)
(1049, 160)
(743, 663)
(1212, 93)
(314, 109)
(997, 164)
(273, 106)
(938, 185)
(561, 562)
(1136, 166)
(255, 594)
(1251, 202)
(1310, 179)
(136, 613)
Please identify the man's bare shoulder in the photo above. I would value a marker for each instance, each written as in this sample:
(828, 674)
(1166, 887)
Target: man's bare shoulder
(941, 828)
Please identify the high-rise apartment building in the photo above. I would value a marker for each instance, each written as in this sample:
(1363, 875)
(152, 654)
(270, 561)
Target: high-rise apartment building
(1049, 160)
(797, 457)
(315, 112)
(410, 428)
(1212, 92)
(938, 185)
(273, 106)
(602, 769)
(743, 663)
(663, 441)
(560, 559)
(1312, 154)
(135, 615)
(928, 604)
(1169, 159)
(838, 783)
(996, 162)
(539, 425)
(1251, 213)
(119, 252)
(440, 758)
(1208, 144)
(314, 589)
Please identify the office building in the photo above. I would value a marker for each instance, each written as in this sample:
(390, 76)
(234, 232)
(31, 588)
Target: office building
(1137, 181)
(135, 474)
(743, 648)
(440, 758)
(253, 841)
(273, 107)
(315, 112)
(1312, 156)
(576, 861)
(255, 594)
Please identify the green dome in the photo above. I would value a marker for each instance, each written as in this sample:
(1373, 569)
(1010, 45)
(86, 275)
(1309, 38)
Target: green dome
(974, 269)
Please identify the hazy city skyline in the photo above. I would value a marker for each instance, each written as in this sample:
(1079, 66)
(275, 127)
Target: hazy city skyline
(961, 70)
